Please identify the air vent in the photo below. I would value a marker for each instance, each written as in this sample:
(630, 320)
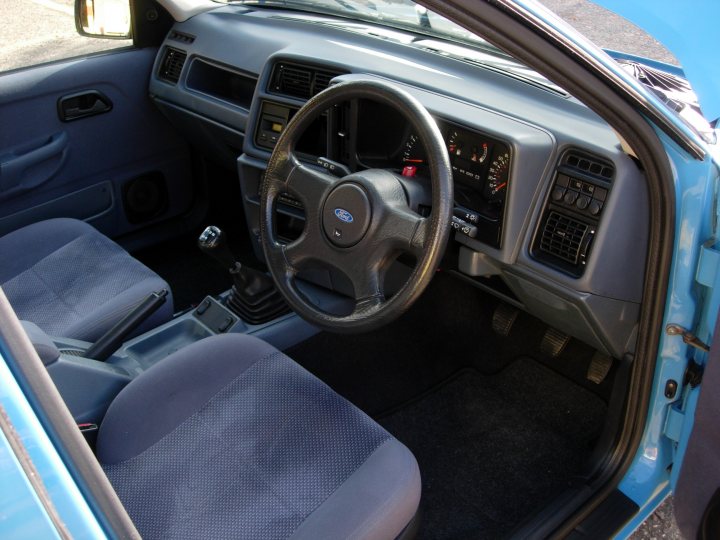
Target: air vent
(565, 238)
(299, 81)
(172, 65)
(322, 80)
(589, 165)
(181, 37)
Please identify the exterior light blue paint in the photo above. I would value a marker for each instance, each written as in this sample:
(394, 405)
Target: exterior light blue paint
(648, 481)
(69, 503)
(22, 515)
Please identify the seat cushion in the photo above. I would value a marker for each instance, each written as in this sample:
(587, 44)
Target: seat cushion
(229, 438)
(72, 281)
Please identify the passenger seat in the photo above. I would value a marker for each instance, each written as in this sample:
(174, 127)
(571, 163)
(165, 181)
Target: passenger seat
(72, 281)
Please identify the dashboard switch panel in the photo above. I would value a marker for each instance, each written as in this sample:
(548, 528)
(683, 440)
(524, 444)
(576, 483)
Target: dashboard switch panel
(572, 213)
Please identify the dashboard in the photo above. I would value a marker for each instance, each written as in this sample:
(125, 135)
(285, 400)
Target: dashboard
(551, 213)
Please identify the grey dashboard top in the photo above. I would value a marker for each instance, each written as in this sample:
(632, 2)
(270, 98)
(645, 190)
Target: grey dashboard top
(540, 123)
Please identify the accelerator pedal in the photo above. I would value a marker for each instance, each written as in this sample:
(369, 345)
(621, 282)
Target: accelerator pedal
(553, 342)
(599, 367)
(503, 319)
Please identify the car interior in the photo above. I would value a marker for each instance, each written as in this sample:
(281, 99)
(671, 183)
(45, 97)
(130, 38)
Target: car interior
(167, 195)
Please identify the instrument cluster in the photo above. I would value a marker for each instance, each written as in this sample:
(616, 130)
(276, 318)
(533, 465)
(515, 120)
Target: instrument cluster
(480, 164)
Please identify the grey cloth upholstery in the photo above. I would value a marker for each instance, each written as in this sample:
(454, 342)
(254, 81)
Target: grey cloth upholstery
(72, 281)
(229, 438)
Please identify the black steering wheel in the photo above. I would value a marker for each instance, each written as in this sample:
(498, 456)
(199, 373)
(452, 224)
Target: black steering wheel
(357, 224)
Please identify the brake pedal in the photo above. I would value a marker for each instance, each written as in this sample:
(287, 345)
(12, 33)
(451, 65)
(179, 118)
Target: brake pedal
(553, 342)
(503, 319)
(599, 367)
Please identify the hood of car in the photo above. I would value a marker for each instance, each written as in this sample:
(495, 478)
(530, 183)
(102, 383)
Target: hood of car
(689, 31)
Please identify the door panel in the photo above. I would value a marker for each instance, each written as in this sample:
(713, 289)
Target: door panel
(82, 139)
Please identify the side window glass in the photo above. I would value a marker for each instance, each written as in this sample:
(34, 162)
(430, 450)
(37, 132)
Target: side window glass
(38, 31)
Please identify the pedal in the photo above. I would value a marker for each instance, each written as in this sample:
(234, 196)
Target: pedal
(599, 367)
(553, 342)
(503, 319)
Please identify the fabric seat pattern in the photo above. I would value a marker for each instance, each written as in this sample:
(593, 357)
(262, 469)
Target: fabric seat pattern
(72, 281)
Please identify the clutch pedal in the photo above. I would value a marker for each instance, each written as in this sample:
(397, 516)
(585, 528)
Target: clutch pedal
(503, 319)
(553, 342)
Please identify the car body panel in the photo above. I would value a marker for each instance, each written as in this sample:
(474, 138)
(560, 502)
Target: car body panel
(23, 513)
(60, 487)
(648, 480)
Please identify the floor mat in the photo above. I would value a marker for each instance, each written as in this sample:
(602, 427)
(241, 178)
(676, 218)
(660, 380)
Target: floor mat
(493, 449)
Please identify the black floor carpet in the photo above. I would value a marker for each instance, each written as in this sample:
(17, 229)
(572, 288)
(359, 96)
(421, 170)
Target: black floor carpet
(498, 429)
(493, 449)
(447, 330)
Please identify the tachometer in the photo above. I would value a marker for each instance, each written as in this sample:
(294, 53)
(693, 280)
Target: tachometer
(497, 178)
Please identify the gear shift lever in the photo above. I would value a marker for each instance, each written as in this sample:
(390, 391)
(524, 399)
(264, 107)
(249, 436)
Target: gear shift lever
(254, 297)
(212, 242)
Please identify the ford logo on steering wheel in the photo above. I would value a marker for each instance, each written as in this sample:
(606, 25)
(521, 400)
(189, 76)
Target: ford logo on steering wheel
(343, 215)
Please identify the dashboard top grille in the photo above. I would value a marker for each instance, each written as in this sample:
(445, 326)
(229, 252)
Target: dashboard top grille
(563, 237)
(172, 65)
(589, 165)
(299, 81)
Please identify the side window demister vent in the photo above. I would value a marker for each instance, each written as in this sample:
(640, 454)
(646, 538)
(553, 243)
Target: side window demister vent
(172, 65)
(589, 165)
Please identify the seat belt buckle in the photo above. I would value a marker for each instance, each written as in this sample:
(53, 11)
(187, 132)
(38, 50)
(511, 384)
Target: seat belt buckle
(89, 431)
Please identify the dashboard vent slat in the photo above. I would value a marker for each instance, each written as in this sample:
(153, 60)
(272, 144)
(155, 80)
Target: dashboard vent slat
(172, 65)
(299, 81)
(564, 238)
(322, 80)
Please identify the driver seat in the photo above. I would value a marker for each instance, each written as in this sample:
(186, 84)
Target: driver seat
(230, 438)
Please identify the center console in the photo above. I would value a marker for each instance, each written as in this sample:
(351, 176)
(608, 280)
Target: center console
(253, 306)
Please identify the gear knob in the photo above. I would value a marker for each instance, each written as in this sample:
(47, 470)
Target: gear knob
(212, 241)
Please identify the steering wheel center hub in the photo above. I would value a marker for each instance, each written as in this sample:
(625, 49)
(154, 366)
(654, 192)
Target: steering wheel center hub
(346, 215)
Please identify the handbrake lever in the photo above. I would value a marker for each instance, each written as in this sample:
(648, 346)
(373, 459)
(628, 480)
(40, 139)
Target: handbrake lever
(111, 340)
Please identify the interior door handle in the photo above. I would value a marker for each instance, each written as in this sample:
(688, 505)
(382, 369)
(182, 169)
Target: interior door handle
(83, 104)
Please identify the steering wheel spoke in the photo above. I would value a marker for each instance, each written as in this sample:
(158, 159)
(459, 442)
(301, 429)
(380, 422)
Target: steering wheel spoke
(303, 249)
(368, 287)
(406, 230)
(308, 184)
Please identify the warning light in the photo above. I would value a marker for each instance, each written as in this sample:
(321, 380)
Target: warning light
(409, 171)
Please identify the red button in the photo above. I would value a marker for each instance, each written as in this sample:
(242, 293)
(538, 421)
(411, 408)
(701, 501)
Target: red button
(409, 170)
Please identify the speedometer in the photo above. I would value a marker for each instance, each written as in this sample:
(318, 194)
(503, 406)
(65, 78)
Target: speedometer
(414, 152)
(497, 178)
